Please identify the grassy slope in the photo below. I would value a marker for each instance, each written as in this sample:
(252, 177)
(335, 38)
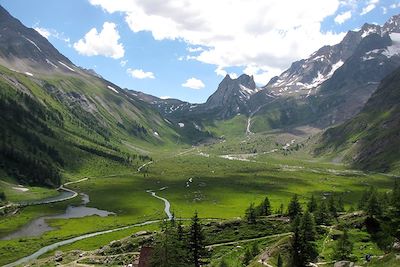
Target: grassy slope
(371, 139)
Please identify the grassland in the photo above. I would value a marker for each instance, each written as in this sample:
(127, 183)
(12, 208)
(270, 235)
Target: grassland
(219, 188)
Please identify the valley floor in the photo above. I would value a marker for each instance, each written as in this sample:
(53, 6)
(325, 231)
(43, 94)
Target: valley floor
(219, 186)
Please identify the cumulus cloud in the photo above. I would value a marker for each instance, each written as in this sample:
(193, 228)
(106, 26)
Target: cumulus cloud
(193, 83)
(393, 6)
(369, 7)
(47, 33)
(140, 74)
(342, 17)
(268, 34)
(43, 32)
(104, 43)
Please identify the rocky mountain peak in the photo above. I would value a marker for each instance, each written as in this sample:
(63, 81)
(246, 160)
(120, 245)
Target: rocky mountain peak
(392, 25)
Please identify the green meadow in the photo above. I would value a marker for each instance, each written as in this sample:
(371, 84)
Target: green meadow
(195, 179)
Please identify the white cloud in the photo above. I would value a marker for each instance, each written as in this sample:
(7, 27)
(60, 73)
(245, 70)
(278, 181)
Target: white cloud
(47, 33)
(371, 5)
(342, 17)
(43, 32)
(261, 75)
(104, 43)
(140, 74)
(266, 34)
(393, 6)
(221, 72)
(194, 49)
(123, 63)
(193, 83)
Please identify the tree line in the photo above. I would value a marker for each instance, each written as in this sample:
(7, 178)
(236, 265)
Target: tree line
(177, 245)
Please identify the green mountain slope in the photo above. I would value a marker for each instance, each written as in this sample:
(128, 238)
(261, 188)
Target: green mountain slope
(55, 116)
(371, 140)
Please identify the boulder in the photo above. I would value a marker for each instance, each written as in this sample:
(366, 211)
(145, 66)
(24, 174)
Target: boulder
(344, 264)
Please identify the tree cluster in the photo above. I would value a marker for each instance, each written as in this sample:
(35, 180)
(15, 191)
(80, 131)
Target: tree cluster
(177, 246)
(263, 209)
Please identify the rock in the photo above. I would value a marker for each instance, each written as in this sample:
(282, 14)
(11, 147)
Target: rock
(58, 256)
(344, 264)
(115, 243)
(396, 245)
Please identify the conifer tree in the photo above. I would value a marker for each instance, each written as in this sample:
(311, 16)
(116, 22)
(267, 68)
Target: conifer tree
(280, 261)
(322, 216)
(251, 215)
(373, 207)
(247, 257)
(332, 207)
(265, 207)
(294, 207)
(312, 204)
(196, 241)
(344, 247)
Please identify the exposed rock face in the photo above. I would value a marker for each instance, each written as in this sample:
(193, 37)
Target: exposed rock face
(25, 50)
(232, 96)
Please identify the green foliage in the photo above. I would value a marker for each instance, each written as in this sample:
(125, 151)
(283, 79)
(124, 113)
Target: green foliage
(264, 209)
(251, 214)
(344, 247)
(294, 207)
(312, 204)
(196, 242)
(223, 263)
(170, 249)
(303, 242)
(322, 215)
(247, 257)
(279, 262)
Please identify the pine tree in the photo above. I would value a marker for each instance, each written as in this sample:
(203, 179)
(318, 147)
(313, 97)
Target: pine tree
(322, 216)
(251, 215)
(344, 247)
(265, 208)
(332, 207)
(373, 207)
(294, 207)
(254, 249)
(280, 261)
(312, 204)
(247, 257)
(196, 241)
(223, 263)
(169, 250)
(303, 243)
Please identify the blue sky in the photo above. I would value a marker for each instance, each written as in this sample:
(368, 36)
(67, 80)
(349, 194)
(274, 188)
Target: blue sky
(183, 49)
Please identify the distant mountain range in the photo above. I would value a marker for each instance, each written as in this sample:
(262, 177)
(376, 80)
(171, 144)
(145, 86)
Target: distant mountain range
(330, 86)
(54, 112)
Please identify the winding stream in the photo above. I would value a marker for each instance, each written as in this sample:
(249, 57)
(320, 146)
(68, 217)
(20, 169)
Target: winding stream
(85, 198)
(166, 202)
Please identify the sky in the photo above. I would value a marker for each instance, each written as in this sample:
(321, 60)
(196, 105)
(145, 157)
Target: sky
(184, 48)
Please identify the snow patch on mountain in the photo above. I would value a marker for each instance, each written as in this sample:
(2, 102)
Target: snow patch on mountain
(394, 49)
(112, 89)
(65, 65)
(32, 42)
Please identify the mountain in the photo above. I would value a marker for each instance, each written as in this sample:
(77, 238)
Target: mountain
(56, 116)
(334, 83)
(24, 49)
(327, 88)
(232, 96)
(371, 139)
